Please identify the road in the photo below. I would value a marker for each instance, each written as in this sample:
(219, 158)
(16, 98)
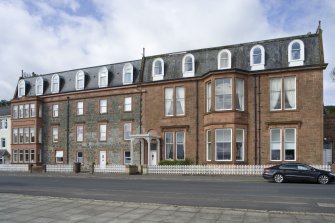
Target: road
(191, 191)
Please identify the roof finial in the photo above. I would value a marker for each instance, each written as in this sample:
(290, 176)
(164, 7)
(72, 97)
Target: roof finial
(318, 30)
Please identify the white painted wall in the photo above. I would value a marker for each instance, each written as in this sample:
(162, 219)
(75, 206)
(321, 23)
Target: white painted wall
(6, 134)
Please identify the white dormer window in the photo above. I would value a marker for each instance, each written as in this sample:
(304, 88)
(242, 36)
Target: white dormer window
(158, 69)
(80, 80)
(128, 74)
(296, 53)
(224, 59)
(188, 65)
(103, 77)
(257, 57)
(22, 88)
(55, 83)
(39, 86)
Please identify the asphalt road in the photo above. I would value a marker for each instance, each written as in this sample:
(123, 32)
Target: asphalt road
(250, 193)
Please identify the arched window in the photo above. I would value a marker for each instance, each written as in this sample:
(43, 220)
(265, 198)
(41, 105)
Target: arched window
(80, 80)
(21, 88)
(39, 86)
(55, 83)
(128, 74)
(157, 69)
(257, 57)
(103, 77)
(296, 53)
(224, 59)
(188, 65)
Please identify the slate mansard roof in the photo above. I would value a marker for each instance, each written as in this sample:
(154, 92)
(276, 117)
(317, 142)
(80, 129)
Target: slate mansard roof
(206, 60)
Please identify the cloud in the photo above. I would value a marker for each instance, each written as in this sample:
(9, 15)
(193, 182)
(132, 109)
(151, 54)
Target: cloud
(50, 36)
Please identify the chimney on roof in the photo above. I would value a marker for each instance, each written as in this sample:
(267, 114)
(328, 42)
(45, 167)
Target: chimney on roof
(318, 30)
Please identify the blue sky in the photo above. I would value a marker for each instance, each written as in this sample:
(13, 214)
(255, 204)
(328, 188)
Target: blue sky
(45, 36)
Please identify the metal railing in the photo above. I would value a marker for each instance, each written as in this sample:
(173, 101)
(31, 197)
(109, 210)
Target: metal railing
(14, 167)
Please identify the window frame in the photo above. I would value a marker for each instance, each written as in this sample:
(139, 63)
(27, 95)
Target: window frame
(223, 93)
(80, 77)
(157, 77)
(32, 135)
(81, 139)
(283, 93)
(208, 96)
(295, 143)
(80, 110)
(165, 145)
(32, 110)
(191, 72)
(281, 145)
(126, 157)
(103, 109)
(101, 133)
(15, 112)
(39, 86)
(220, 67)
(208, 145)
(181, 100)
(58, 156)
(243, 144)
(55, 111)
(257, 66)
(103, 73)
(127, 104)
(296, 62)
(55, 81)
(125, 127)
(125, 68)
(55, 134)
(171, 100)
(21, 91)
(180, 143)
(3, 142)
(223, 141)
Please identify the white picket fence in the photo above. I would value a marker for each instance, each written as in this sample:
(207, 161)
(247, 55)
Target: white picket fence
(14, 167)
(110, 169)
(60, 168)
(215, 169)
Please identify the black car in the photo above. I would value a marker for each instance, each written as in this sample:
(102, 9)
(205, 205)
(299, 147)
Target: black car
(297, 172)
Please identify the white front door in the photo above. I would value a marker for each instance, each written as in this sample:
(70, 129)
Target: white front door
(153, 157)
(103, 159)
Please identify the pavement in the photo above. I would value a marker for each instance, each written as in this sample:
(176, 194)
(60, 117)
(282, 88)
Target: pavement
(26, 208)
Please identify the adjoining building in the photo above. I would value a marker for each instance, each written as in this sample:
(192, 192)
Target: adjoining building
(252, 103)
(329, 135)
(5, 133)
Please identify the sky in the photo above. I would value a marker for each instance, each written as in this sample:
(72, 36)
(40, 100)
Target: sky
(46, 36)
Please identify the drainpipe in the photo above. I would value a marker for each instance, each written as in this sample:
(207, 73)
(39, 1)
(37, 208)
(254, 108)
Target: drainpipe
(197, 122)
(67, 130)
(259, 120)
(255, 117)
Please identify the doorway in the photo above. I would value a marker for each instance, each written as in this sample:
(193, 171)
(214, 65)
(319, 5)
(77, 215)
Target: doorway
(102, 159)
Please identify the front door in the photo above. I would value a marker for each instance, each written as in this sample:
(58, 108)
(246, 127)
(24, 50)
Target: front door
(103, 159)
(153, 157)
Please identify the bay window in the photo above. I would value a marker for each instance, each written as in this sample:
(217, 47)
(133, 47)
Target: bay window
(223, 94)
(239, 97)
(208, 96)
(208, 145)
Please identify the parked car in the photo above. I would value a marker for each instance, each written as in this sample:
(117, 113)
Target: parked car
(297, 172)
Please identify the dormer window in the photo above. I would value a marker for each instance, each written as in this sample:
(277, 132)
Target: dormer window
(55, 83)
(296, 53)
(128, 74)
(103, 77)
(22, 88)
(80, 80)
(224, 59)
(257, 57)
(188, 65)
(158, 69)
(39, 86)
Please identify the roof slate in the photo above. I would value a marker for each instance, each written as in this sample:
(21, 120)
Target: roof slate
(5, 110)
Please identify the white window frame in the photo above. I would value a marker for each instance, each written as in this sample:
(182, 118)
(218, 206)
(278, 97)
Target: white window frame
(220, 65)
(55, 81)
(295, 92)
(80, 108)
(223, 93)
(165, 145)
(258, 66)
(295, 142)
(39, 86)
(21, 111)
(80, 80)
(191, 72)
(21, 91)
(128, 158)
(103, 132)
(103, 73)
(55, 137)
(208, 96)
(80, 159)
(243, 143)
(80, 135)
(15, 136)
(25, 135)
(280, 94)
(32, 135)
(55, 112)
(127, 129)
(157, 77)
(128, 104)
(296, 62)
(40, 135)
(102, 107)
(236, 94)
(15, 111)
(26, 111)
(166, 100)
(32, 155)
(181, 100)
(208, 145)
(32, 110)
(59, 154)
(231, 144)
(281, 144)
(180, 143)
(128, 66)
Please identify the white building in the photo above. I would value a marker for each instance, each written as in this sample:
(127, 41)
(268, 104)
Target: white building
(5, 133)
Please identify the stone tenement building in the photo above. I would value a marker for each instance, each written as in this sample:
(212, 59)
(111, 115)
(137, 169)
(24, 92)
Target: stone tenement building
(250, 103)
(329, 135)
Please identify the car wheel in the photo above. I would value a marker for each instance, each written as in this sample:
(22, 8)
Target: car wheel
(323, 179)
(278, 178)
